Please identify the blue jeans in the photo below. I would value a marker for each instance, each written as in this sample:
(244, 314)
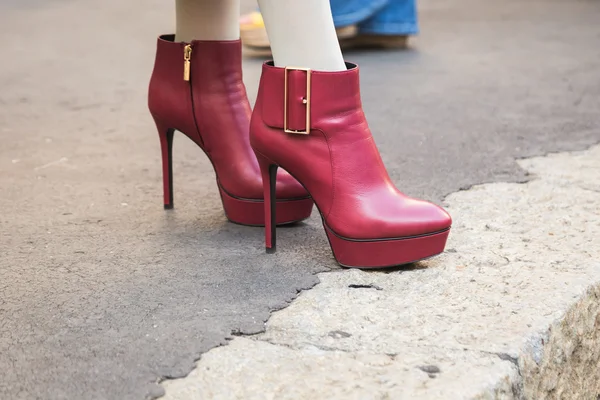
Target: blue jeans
(383, 17)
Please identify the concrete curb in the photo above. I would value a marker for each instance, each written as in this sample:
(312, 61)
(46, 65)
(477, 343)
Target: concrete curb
(510, 311)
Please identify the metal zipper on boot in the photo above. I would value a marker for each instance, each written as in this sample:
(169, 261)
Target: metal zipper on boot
(187, 61)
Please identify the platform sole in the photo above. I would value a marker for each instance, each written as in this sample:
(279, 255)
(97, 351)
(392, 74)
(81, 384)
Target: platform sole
(385, 253)
(252, 211)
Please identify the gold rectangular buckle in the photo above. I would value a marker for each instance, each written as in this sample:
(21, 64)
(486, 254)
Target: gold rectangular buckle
(306, 101)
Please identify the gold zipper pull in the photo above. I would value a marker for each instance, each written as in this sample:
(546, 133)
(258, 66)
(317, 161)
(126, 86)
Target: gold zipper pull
(187, 57)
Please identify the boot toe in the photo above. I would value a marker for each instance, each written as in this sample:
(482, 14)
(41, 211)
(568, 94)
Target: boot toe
(419, 217)
(435, 218)
(390, 219)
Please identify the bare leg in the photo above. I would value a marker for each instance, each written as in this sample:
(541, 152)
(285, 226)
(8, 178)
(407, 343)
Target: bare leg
(302, 34)
(207, 20)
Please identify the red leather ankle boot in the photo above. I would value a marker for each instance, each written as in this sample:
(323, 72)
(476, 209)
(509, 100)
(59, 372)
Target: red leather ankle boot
(311, 124)
(196, 88)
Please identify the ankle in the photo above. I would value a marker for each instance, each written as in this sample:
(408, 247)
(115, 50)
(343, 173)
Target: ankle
(315, 62)
(292, 44)
(207, 20)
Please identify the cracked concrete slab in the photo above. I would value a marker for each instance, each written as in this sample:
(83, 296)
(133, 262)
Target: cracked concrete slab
(511, 310)
(255, 369)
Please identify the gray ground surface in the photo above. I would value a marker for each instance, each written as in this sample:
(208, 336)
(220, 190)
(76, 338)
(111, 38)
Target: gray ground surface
(102, 292)
(509, 312)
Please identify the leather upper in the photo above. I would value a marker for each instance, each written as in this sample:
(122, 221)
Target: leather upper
(212, 109)
(338, 162)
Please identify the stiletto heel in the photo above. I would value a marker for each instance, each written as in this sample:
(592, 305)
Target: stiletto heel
(166, 147)
(268, 171)
(197, 89)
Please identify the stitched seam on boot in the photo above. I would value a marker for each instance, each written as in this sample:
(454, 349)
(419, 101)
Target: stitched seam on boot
(332, 172)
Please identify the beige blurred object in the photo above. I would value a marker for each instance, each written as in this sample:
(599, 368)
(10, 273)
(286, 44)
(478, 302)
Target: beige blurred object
(255, 39)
